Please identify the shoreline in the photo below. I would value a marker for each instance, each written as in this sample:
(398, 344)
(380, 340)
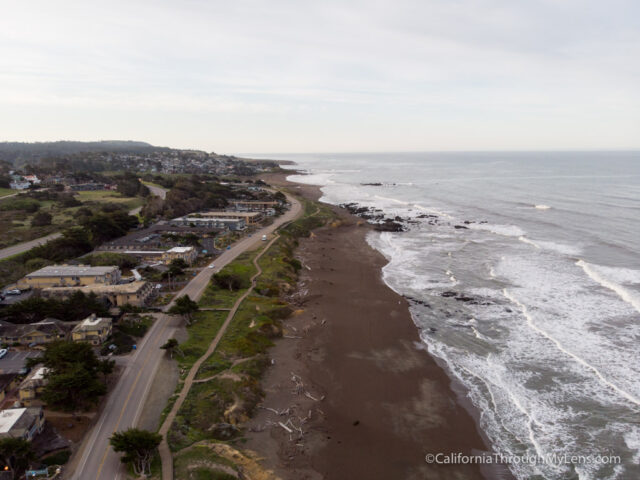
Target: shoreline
(374, 402)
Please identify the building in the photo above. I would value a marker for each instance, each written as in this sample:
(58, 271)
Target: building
(18, 183)
(32, 386)
(250, 218)
(39, 333)
(8, 382)
(32, 179)
(144, 256)
(70, 275)
(210, 222)
(155, 239)
(93, 330)
(188, 254)
(134, 293)
(254, 205)
(86, 187)
(23, 423)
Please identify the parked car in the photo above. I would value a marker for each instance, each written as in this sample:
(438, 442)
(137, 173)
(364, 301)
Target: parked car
(15, 291)
(264, 238)
(3, 352)
(211, 266)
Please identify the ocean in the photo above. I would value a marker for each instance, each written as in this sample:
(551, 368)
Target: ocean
(523, 274)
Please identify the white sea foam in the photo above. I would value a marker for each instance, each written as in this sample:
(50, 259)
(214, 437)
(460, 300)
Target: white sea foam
(504, 230)
(542, 207)
(607, 277)
(632, 439)
(583, 362)
(524, 239)
(571, 250)
(320, 179)
(552, 246)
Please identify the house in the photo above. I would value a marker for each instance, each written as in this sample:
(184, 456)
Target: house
(32, 179)
(188, 254)
(8, 382)
(39, 333)
(70, 275)
(32, 386)
(134, 293)
(93, 330)
(23, 423)
(18, 183)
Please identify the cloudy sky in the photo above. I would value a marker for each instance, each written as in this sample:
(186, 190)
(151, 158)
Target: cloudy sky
(324, 76)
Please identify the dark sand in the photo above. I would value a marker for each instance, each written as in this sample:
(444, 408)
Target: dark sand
(386, 402)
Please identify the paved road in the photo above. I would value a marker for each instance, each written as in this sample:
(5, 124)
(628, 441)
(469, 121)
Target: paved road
(23, 247)
(95, 459)
(157, 191)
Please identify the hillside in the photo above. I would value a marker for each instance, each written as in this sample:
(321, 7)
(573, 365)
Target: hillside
(19, 151)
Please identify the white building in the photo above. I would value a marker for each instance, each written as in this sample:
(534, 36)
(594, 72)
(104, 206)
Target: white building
(23, 423)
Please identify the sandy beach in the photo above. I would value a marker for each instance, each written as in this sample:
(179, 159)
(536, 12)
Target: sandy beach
(373, 402)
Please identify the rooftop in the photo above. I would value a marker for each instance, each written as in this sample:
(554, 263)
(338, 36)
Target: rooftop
(207, 219)
(9, 417)
(18, 419)
(180, 250)
(47, 326)
(92, 322)
(72, 270)
(230, 214)
(38, 374)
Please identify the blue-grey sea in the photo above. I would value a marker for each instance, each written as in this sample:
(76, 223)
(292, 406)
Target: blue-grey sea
(543, 326)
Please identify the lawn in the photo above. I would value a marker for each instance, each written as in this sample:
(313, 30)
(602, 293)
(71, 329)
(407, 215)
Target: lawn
(109, 196)
(216, 297)
(15, 220)
(204, 328)
(6, 191)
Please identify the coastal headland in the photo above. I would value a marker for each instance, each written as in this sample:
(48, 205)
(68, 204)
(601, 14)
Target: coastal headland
(352, 373)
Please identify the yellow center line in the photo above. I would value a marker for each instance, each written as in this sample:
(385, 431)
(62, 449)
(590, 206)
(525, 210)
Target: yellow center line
(124, 406)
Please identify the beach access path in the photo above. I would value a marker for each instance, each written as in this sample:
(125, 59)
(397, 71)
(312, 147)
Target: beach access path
(96, 460)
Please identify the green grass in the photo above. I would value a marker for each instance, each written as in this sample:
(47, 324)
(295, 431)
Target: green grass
(151, 184)
(204, 328)
(109, 196)
(216, 297)
(6, 191)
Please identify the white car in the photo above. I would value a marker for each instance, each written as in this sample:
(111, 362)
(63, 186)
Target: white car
(3, 352)
(264, 238)
(13, 292)
(211, 266)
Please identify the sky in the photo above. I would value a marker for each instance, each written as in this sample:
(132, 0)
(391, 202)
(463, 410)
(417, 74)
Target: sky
(324, 76)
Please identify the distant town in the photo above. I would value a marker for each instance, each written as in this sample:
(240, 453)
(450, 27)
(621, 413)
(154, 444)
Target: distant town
(96, 246)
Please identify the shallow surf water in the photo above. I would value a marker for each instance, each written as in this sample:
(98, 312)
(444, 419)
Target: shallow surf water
(540, 318)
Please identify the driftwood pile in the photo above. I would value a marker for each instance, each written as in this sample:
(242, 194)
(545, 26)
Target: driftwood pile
(291, 423)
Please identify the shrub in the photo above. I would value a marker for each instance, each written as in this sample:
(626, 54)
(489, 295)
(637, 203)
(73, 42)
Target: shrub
(58, 458)
(41, 219)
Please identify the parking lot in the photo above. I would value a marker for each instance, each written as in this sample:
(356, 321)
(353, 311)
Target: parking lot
(9, 299)
(15, 360)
